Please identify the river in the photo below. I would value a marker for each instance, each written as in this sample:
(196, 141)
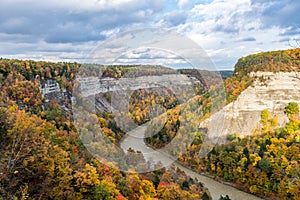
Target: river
(135, 140)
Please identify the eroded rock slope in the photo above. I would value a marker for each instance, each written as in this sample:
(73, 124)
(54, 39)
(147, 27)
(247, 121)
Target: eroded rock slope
(271, 91)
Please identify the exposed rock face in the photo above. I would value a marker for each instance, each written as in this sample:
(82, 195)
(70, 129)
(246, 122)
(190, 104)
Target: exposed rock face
(271, 91)
(52, 91)
(94, 85)
(50, 86)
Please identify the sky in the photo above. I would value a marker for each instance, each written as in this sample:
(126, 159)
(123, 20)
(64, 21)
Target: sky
(68, 30)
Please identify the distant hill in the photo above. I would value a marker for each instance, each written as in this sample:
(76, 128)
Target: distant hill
(273, 61)
(207, 78)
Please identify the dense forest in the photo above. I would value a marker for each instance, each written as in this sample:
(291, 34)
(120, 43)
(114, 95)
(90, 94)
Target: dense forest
(42, 156)
(274, 61)
(265, 164)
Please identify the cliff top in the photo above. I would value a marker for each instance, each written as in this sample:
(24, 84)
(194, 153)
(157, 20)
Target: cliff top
(274, 61)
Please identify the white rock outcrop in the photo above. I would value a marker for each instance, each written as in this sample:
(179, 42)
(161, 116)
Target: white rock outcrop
(271, 91)
(94, 85)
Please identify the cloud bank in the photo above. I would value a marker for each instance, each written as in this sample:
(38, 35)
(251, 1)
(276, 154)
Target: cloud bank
(65, 30)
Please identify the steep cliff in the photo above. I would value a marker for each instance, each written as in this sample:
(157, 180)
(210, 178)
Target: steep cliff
(276, 83)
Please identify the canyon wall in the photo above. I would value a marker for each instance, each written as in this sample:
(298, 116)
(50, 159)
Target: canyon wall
(271, 91)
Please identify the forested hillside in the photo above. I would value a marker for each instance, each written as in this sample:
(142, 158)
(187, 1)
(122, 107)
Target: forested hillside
(274, 61)
(42, 156)
(266, 163)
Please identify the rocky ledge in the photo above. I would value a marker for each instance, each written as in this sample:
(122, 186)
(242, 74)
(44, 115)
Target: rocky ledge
(271, 91)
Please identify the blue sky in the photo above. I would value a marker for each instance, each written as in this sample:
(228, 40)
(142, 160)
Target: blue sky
(67, 30)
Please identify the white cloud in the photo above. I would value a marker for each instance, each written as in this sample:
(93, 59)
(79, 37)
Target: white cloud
(182, 3)
(230, 29)
(80, 6)
(225, 16)
(224, 48)
(69, 29)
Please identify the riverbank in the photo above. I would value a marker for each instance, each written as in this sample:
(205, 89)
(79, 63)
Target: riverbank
(215, 187)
